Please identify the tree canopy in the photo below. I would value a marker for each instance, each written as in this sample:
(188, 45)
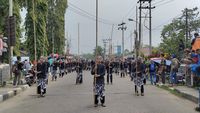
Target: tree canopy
(48, 17)
(174, 33)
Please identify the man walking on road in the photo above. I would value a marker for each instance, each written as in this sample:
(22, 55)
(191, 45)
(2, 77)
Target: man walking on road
(110, 72)
(174, 69)
(41, 76)
(17, 70)
(139, 78)
(122, 68)
(99, 82)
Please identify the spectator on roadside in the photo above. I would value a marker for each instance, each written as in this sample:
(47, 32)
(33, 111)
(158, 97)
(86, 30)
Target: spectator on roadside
(174, 69)
(187, 60)
(196, 42)
(162, 68)
(196, 66)
(17, 70)
(152, 71)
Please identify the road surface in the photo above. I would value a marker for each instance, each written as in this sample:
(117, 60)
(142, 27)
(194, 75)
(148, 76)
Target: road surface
(63, 96)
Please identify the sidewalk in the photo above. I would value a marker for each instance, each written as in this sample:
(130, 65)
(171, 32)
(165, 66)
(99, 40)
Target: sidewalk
(9, 91)
(183, 91)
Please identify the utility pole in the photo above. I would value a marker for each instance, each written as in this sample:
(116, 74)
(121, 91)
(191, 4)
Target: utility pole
(135, 32)
(94, 81)
(104, 44)
(105, 41)
(34, 31)
(150, 22)
(96, 27)
(78, 39)
(110, 42)
(52, 39)
(186, 27)
(123, 28)
(150, 31)
(136, 19)
(140, 22)
(10, 47)
(131, 41)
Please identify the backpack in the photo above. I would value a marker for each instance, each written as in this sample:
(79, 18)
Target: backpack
(152, 68)
(15, 69)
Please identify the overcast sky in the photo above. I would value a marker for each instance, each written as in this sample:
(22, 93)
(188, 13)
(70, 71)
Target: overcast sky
(114, 12)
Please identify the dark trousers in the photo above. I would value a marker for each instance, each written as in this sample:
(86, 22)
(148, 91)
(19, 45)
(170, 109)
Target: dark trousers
(109, 78)
(96, 101)
(1, 59)
(123, 74)
(163, 77)
(141, 89)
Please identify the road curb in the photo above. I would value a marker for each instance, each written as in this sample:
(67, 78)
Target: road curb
(188, 96)
(180, 93)
(12, 93)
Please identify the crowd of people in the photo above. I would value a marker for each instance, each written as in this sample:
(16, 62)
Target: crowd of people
(138, 69)
(52, 66)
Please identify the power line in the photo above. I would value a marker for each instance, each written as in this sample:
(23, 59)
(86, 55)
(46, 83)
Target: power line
(164, 3)
(166, 22)
(130, 11)
(88, 14)
(158, 2)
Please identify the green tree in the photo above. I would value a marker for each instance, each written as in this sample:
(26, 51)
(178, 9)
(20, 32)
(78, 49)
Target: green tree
(4, 9)
(55, 25)
(39, 17)
(99, 51)
(175, 31)
(88, 56)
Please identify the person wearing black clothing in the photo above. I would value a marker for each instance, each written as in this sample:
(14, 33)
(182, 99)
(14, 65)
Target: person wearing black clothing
(41, 76)
(139, 78)
(41, 68)
(132, 69)
(62, 68)
(122, 69)
(47, 69)
(195, 36)
(17, 70)
(109, 69)
(126, 68)
(79, 70)
(99, 82)
(55, 66)
(117, 66)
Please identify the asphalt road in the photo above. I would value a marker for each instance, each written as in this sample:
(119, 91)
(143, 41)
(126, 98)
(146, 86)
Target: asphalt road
(63, 96)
